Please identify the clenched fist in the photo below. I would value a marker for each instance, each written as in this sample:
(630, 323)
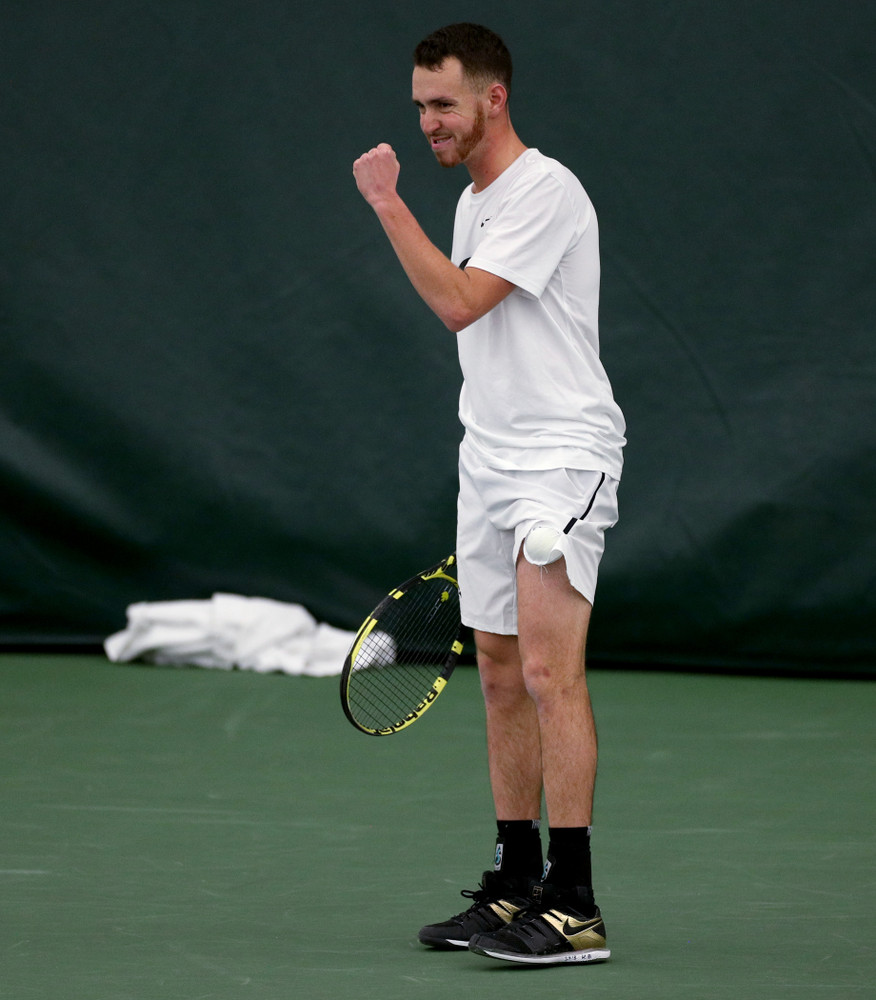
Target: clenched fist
(376, 173)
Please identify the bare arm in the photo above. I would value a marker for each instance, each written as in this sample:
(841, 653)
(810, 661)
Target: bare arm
(458, 297)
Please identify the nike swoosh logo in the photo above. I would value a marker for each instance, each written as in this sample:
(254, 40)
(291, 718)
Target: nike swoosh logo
(572, 927)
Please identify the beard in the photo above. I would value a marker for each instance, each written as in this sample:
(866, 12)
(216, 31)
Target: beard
(466, 142)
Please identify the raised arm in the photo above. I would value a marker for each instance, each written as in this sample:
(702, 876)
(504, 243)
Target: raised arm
(458, 297)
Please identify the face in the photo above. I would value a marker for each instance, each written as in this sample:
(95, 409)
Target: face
(452, 116)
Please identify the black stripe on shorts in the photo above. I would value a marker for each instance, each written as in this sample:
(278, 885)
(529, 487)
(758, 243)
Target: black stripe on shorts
(575, 520)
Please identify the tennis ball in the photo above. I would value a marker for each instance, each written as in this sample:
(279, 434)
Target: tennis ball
(540, 546)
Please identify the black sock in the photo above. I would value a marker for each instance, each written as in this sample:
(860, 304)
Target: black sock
(518, 848)
(569, 857)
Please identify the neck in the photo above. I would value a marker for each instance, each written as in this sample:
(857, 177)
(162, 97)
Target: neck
(495, 158)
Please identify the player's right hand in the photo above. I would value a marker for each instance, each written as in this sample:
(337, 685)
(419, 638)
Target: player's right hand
(376, 173)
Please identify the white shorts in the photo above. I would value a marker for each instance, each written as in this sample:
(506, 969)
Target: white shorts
(496, 511)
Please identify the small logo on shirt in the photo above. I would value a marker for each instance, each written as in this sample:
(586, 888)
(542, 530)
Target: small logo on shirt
(486, 221)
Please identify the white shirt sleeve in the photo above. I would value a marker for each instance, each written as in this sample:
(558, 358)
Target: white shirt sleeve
(534, 226)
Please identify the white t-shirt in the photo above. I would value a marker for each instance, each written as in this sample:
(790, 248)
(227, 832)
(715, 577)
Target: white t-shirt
(535, 394)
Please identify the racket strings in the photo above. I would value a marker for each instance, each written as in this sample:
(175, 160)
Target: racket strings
(399, 661)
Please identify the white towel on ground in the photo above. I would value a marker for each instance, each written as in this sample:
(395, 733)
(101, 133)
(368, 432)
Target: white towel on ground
(228, 631)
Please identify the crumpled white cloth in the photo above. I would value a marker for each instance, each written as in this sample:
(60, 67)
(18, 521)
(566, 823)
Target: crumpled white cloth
(228, 631)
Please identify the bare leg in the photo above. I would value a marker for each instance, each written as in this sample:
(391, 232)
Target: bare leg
(513, 745)
(552, 621)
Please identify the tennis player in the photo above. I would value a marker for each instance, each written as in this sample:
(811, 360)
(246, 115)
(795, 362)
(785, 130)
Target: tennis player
(539, 468)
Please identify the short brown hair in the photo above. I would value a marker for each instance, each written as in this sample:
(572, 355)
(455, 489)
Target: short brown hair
(484, 56)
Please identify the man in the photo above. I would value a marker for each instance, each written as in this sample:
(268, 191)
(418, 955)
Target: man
(539, 467)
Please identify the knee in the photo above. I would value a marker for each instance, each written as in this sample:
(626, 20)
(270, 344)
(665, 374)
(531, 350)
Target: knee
(539, 679)
(503, 689)
(499, 668)
(548, 681)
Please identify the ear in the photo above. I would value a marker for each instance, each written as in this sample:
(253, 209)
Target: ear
(497, 99)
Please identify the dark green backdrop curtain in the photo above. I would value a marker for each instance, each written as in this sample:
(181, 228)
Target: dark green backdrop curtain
(215, 377)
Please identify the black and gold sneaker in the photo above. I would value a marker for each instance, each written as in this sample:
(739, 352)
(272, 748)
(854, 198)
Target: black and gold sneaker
(558, 926)
(494, 904)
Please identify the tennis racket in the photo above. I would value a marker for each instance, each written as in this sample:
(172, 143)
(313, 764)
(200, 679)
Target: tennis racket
(404, 653)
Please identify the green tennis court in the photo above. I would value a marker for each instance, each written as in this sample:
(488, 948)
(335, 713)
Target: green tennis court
(206, 834)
